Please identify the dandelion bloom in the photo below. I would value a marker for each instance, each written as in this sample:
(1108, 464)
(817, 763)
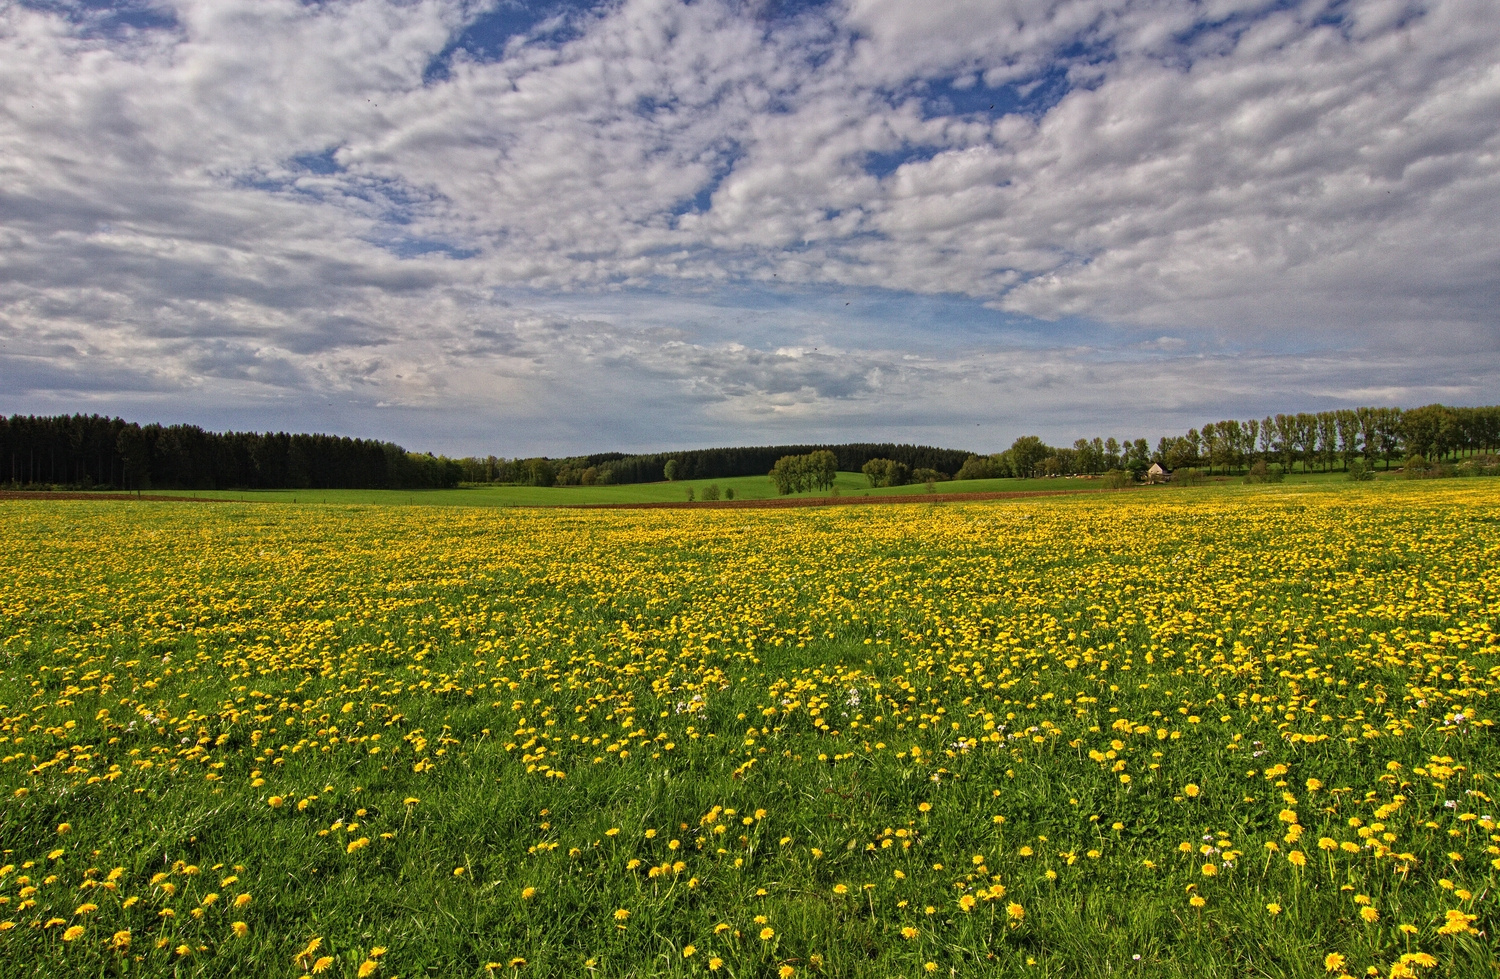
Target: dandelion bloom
(275, 802)
(1197, 901)
(1190, 790)
(240, 929)
(242, 900)
(1273, 908)
(840, 888)
(1369, 914)
(1333, 962)
(621, 914)
(688, 951)
(966, 902)
(714, 963)
(1297, 858)
(74, 932)
(766, 934)
(909, 932)
(1015, 911)
(121, 939)
(527, 893)
(786, 972)
(322, 964)
(367, 968)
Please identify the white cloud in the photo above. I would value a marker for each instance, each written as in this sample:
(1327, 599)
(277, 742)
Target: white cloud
(269, 202)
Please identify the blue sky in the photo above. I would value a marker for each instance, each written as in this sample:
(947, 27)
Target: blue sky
(556, 227)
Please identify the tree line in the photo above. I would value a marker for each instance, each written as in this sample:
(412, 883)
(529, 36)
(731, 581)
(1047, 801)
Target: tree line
(722, 463)
(93, 451)
(1314, 440)
(96, 451)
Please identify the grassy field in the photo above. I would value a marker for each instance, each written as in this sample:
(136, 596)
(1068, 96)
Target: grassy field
(849, 485)
(1197, 732)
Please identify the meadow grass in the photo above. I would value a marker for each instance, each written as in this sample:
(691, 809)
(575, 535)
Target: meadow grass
(850, 485)
(1226, 731)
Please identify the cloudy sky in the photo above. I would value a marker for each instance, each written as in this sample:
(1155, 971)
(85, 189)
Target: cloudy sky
(550, 226)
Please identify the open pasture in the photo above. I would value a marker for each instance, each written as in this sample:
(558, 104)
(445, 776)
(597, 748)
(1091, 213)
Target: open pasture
(1187, 734)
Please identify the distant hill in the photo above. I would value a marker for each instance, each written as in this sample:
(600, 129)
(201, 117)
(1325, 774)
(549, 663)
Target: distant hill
(757, 460)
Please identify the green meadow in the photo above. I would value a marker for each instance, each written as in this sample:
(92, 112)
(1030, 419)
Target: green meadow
(1226, 731)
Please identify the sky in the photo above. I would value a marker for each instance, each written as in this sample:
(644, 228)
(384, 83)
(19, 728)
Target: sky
(557, 227)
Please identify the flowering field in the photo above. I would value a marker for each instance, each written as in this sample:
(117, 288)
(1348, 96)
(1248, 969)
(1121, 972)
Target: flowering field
(1204, 734)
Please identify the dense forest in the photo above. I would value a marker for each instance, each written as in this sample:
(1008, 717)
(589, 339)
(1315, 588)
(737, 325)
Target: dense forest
(615, 467)
(94, 451)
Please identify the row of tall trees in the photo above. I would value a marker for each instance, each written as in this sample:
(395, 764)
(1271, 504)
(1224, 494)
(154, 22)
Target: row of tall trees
(815, 470)
(95, 451)
(1312, 440)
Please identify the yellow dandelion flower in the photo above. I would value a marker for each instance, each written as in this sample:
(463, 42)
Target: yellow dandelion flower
(367, 968)
(322, 964)
(1191, 791)
(1014, 911)
(621, 914)
(767, 933)
(74, 932)
(688, 951)
(1333, 962)
(240, 929)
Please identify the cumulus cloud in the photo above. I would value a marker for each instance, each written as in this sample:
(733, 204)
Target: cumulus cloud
(243, 209)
